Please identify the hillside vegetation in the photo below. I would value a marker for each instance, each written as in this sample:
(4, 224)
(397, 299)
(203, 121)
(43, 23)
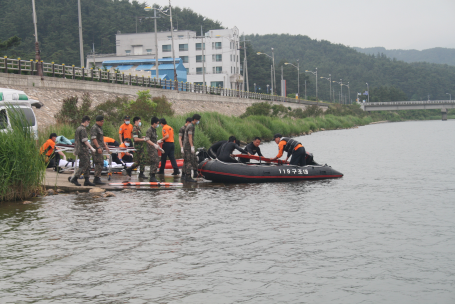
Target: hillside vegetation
(434, 55)
(415, 80)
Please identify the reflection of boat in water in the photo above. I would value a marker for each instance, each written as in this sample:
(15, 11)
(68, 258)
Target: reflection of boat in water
(218, 171)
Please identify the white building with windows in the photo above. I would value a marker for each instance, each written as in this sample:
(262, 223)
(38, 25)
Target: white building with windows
(214, 56)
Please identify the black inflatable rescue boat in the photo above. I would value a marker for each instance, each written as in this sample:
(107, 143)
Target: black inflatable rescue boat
(218, 171)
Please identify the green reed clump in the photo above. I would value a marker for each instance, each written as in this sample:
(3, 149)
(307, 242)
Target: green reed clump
(22, 168)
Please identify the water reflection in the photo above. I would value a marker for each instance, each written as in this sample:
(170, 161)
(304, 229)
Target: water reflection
(382, 233)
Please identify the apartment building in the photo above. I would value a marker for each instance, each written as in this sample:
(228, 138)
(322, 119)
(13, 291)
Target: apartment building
(214, 56)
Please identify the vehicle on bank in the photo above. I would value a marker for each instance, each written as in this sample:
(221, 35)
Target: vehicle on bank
(263, 171)
(19, 101)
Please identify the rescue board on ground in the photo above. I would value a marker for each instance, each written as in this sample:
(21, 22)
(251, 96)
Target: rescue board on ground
(162, 184)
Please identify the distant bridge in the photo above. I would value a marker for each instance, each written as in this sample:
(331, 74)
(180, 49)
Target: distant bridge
(410, 105)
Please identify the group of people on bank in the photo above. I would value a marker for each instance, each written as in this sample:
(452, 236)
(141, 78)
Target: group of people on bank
(131, 135)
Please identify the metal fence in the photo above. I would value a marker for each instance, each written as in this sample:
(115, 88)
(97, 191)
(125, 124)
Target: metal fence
(24, 67)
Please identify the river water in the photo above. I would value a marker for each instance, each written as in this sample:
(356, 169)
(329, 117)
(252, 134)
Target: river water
(384, 233)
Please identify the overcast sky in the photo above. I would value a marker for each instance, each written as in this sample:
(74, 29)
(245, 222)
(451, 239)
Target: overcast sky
(393, 24)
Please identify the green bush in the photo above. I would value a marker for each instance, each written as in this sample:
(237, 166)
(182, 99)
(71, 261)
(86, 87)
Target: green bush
(22, 168)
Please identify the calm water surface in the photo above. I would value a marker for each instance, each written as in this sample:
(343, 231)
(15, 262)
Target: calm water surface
(384, 233)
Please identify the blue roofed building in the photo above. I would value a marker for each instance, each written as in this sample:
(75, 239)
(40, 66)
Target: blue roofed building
(146, 67)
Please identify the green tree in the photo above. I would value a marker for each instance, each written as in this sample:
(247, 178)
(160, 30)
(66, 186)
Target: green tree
(9, 43)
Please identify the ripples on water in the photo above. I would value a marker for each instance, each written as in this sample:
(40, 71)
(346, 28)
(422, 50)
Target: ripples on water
(384, 233)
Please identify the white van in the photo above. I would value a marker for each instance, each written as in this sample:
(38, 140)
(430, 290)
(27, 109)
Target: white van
(19, 100)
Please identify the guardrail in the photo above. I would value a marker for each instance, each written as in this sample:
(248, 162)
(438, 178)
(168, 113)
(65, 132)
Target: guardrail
(403, 103)
(19, 66)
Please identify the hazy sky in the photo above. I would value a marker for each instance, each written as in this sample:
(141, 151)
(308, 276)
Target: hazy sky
(393, 24)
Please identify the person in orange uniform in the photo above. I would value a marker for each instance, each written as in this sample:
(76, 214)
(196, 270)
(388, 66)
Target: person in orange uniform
(126, 156)
(293, 147)
(112, 142)
(48, 149)
(126, 130)
(168, 147)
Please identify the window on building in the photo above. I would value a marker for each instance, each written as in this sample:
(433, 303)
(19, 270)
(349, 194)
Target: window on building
(183, 47)
(217, 58)
(199, 46)
(149, 51)
(128, 52)
(181, 36)
(199, 58)
(231, 70)
(217, 70)
(167, 48)
(217, 84)
(184, 59)
(165, 58)
(199, 83)
(199, 71)
(169, 37)
(187, 70)
(216, 45)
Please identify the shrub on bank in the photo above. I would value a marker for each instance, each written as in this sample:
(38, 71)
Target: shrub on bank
(22, 168)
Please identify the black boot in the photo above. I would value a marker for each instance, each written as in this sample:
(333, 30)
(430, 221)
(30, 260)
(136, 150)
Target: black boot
(160, 171)
(88, 183)
(152, 178)
(141, 174)
(73, 180)
(189, 179)
(97, 181)
(195, 173)
(128, 171)
(183, 175)
(176, 171)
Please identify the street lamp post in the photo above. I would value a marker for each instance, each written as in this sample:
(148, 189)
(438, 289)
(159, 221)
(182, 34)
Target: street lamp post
(148, 8)
(37, 50)
(316, 74)
(368, 90)
(341, 88)
(298, 75)
(273, 83)
(81, 43)
(450, 95)
(330, 82)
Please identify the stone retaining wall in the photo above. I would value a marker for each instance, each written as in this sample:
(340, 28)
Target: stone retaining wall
(51, 91)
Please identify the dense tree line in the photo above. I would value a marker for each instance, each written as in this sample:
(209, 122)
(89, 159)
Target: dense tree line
(58, 28)
(415, 80)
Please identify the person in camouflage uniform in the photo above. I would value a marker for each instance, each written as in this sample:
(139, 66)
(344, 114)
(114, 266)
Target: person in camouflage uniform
(139, 156)
(97, 137)
(81, 149)
(189, 155)
(152, 146)
(181, 140)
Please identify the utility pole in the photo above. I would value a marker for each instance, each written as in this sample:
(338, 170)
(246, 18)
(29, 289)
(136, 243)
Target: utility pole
(203, 58)
(274, 75)
(245, 67)
(37, 50)
(156, 47)
(176, 82)
(81, 43)
(305, 89)
(94, 61)
(271, 79)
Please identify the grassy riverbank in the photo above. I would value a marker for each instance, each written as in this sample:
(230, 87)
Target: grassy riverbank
(22, 168)
(215, 126)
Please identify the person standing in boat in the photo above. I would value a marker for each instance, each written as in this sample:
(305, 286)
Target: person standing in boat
(253, 149)
(225, 151)
(181, 140)
(292, 147)
(189, 151)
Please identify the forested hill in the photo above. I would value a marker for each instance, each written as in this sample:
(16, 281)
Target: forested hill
(435, 55)
(58, 29)
(416, 80)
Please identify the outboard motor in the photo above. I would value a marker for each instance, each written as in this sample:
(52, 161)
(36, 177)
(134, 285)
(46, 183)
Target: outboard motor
(202, 155)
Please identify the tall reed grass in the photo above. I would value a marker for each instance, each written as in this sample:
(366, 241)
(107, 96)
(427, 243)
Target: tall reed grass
(22, 168)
